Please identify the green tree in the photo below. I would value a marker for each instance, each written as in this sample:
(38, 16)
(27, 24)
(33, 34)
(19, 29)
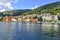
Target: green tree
(8, 13)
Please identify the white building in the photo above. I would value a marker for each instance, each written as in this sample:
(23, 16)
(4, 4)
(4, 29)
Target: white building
(56, 17)
(46, 17)
(19, 19)
(13, 19)
(27, 20)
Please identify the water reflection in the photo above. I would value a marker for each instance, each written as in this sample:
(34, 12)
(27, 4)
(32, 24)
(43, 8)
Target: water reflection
(51, 29)
(29, 31)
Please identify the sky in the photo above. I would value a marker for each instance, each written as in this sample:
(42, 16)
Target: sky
(22, 4)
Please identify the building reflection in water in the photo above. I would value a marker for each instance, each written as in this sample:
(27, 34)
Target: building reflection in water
(8, 31)
(29, 31)
(51, 29)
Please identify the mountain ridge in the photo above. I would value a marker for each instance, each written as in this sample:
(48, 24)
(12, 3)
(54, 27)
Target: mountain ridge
(47, 7)
(52, 8)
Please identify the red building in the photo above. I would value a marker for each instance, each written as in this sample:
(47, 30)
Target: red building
(8, 19)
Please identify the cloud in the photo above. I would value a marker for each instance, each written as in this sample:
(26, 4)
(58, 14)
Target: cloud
(29, 8)
(4, 1)
(7, 4)
(2, 10)
(34, 7)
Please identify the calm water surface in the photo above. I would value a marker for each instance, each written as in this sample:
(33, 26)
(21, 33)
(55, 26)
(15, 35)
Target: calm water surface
(29, 31)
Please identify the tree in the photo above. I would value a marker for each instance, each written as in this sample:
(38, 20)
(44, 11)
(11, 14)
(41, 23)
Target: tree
(8, 13)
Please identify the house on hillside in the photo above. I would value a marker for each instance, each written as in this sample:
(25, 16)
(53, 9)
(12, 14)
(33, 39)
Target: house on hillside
(55, 17)
(46, 17)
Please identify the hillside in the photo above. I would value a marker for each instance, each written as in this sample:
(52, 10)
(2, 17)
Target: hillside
(19, 12)
(53, 8)
(14, 12)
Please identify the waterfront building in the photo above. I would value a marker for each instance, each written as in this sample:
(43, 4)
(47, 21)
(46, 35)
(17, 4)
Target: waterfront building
(56, 17)
(31, 19)
(14, 20)
(19, 19)
(7, 19)
(46, 17)
(40, 18)
(23, 19)
(27, 20)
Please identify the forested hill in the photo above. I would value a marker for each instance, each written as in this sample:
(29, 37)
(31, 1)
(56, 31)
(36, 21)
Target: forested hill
(14, 12)
(53, 8)
(19, 12)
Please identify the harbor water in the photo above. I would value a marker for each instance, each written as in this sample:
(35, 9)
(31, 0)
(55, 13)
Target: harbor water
(29, 31)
